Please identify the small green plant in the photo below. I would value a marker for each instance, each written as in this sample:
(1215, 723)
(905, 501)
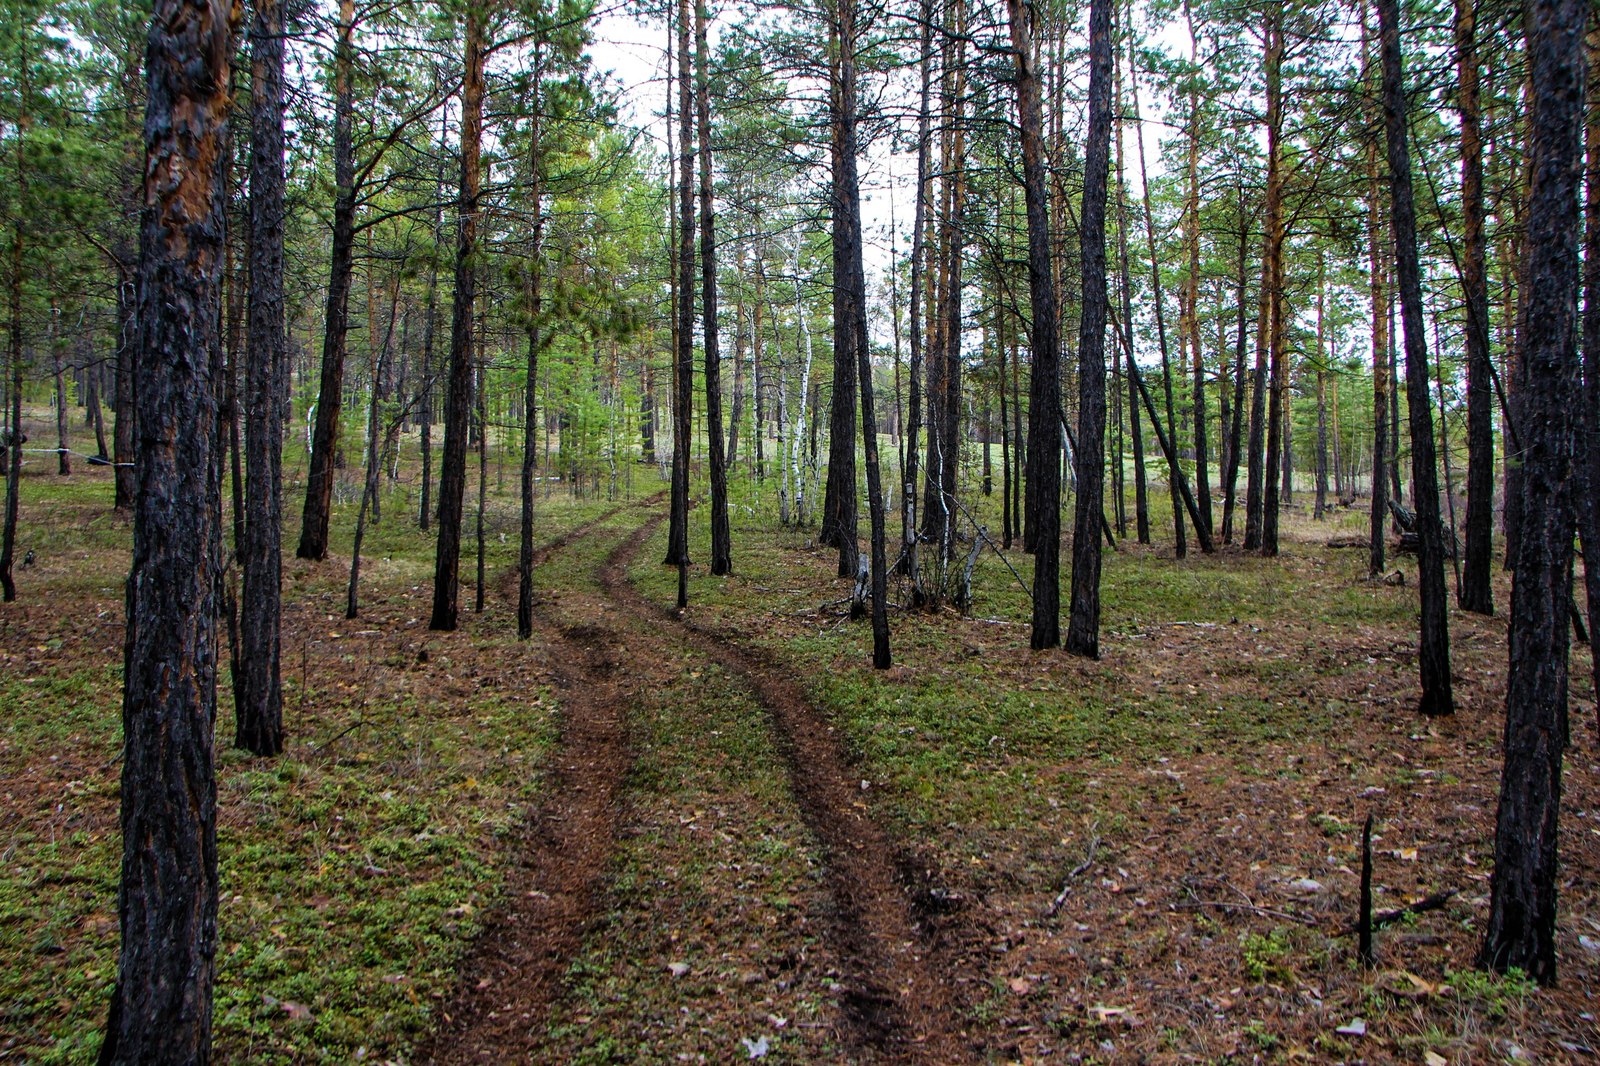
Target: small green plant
(1264, 955)
(1493, 995)
(1258, 1034)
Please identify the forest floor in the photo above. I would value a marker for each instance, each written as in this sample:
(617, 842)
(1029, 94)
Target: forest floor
(646, 836)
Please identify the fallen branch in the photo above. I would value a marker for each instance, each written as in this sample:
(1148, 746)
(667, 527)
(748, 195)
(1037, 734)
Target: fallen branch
(1422, 906)
(1072, 875)
(1248, 908)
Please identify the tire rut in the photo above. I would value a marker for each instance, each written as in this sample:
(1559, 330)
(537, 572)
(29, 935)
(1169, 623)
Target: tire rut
(897, 994)
(514, 971)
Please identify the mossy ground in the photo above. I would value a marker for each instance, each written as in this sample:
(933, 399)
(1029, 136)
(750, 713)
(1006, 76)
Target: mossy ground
(1193, 800)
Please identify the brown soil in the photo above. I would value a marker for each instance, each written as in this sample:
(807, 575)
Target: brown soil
(882, 929)
(894, 996)
(514, 973)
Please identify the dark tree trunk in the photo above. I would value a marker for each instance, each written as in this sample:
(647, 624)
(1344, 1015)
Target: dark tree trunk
(258, 690)
(850, 283)
(1272, 278)
(429, 371)
(1045, 392)
(1202, 477)
(839, 521)
(58, 364)
(1380, 368)
(1434, 648)
(647, 412)
(530, 425)
(8, 535)
(237, 282)
(1522, 904)
(91, 400)
(1141, 491)
(683, 335)
(721, 538)
(369, 481)
(737, 415)
(167, 909)
(1476, 594)
(943, 458)
(1254, 473)
(330, 393)
(1083, 628)
(458, 395)
(1587, 505)
(1175, 474)
(124, 433)
(1230, 480)
(1005, 452)
(908, 472)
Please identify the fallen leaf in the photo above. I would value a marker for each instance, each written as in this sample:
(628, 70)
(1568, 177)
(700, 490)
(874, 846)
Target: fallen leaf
(1433, 1058)
(1021, 985)
(757, 1048)
(1354, 1028)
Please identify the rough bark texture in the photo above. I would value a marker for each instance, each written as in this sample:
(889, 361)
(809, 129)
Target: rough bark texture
(683, 332)
(1380, 368)
(839, 521)
(1230, 479)
(530, 423)
(1588, 504)
(1522, 904)
(1476, 593)
(1272, 279)
(1083, 628)
(258, 689)
(721, 539)
(167, 909)
(1433, 652)
(1046, 389)
(330, 392)
(852, 272)
(458, 394)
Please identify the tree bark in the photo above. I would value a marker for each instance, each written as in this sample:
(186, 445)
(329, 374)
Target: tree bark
(721, 539)
(1045, 392)
(258, 690)
(1522, 903)
(167, 909)
(1587, 506)
(330, 393)
(1272, 279)
(1083, 628)
(1175, 474)
(1476, 593)
(458, 396)
(1230, 479)
(1380, 366)
(683, 371)
(1434, 648)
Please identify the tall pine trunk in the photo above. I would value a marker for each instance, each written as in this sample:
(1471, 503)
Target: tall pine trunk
(1476, 594)
(458, 395)
(721, 541)
(167, 908)
(330, 393)
(1434, 647)
(1522, 895)
(1083, 628)
(1045, 393)
(258, 689)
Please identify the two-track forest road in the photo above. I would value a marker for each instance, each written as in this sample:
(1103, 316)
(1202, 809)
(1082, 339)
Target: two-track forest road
(705, 881)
